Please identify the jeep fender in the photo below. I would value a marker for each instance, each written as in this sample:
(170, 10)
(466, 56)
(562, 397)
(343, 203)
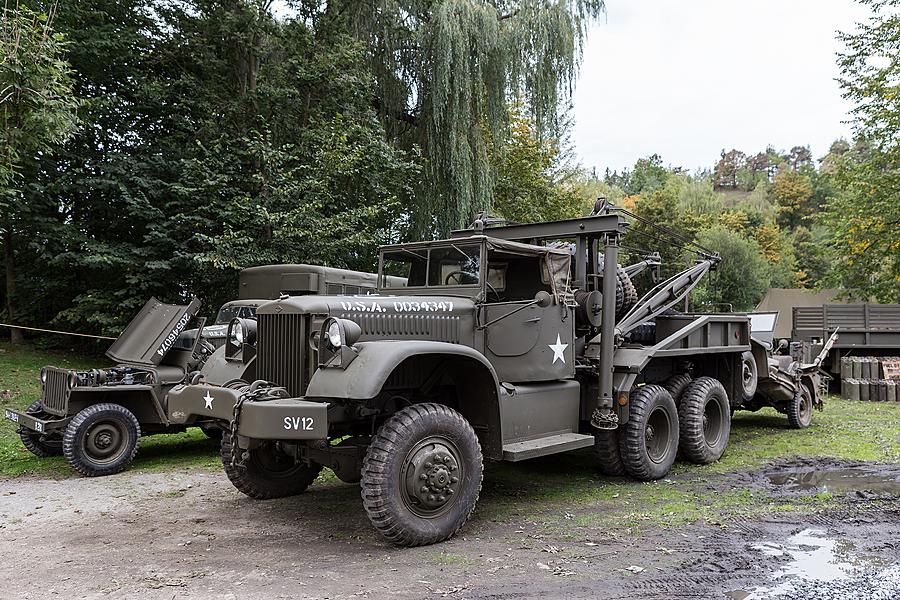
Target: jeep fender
(474, 377)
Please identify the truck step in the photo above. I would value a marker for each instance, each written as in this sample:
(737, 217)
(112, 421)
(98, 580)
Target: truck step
(562, 442)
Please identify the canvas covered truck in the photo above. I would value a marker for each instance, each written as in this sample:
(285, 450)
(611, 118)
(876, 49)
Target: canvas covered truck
(95, 418)
(504, 343)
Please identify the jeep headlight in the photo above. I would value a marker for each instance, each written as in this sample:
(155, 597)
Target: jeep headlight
(43, 376)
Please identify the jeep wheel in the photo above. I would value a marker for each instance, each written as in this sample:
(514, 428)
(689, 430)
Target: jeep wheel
(800, 409)
(704, 416)
(749, 376)
(267, 472)
(676, 384)
(101, 439)
(422, 475)
(606, 450)
(648, 442)
(41, 445)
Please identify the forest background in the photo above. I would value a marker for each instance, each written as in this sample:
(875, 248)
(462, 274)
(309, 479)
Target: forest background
(156, 147)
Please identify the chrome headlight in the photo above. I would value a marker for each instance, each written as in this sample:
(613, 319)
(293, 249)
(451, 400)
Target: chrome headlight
(339, 332)
(43, 376)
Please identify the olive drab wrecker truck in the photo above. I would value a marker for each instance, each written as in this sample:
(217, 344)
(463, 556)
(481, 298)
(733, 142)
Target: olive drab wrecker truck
(506, 342)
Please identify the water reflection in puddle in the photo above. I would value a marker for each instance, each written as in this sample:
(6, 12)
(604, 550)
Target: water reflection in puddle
(812, 557)
(838, 480)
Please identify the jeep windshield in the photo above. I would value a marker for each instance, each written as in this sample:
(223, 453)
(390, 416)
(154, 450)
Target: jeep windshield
(227, 313)
(456, 265)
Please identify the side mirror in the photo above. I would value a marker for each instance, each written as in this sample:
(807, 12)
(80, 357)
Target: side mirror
(543, 299)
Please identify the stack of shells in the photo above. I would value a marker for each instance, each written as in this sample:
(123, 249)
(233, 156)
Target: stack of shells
(864, 378)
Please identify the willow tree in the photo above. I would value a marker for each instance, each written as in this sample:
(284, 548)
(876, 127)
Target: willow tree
(445, 72)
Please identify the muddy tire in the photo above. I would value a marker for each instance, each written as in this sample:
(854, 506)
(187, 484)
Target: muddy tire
(606, 450)
(422, 475)
(267, 472)
(749, 376)
(704, 416)
(39, 444)
(800, 409)
(101, 439)
(648, 442)
(676, 385)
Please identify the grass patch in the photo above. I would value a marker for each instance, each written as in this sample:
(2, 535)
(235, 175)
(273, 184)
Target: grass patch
(19, 387)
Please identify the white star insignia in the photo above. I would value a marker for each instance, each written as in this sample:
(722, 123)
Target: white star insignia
(208, 399)
(558, 349)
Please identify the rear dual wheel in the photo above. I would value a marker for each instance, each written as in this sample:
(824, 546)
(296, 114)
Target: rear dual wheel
(704, 415)
(648, 442)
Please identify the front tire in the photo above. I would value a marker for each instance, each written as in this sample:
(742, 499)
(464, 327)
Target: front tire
(422, 475)
(39, 444)
(101, 439)
(704, 416)
(800, 410)
(266, 472)
(648, 442)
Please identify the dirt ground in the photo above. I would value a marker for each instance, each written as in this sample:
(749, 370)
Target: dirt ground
(190, 534)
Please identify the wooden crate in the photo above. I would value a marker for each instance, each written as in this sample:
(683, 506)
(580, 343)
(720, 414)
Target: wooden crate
(891, 369)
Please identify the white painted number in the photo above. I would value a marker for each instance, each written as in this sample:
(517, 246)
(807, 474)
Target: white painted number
(298, 423)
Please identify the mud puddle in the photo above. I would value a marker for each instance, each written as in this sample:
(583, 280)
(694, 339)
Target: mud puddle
(837, 480)
(810, 560)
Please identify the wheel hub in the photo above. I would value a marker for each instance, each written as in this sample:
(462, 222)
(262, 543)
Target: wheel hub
(432, 473)
(104, 441)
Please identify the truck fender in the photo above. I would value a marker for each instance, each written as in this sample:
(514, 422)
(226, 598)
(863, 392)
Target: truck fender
(475, 379)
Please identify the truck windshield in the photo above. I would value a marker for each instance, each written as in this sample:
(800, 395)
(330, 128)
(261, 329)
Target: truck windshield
(454, 265)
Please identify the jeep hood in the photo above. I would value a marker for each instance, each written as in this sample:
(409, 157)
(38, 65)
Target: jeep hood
(152, 332)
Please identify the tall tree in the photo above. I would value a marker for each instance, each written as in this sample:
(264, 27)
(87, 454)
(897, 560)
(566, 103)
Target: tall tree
(864, 216)
(38, 111)
(445, 71)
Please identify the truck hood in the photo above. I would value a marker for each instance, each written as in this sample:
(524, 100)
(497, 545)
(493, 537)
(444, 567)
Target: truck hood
(152, 332)
(368, 304)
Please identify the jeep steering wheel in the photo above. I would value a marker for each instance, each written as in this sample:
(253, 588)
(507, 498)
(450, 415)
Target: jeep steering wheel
(456, 274)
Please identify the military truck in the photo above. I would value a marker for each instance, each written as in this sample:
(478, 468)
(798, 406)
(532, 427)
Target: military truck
(503, 344)
(95, 418)
(256, 285)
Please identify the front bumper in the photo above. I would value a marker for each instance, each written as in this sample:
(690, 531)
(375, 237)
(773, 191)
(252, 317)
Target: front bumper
(276, 419)
(34, 423)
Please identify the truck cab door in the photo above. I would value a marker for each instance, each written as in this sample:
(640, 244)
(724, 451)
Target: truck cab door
(523, 340)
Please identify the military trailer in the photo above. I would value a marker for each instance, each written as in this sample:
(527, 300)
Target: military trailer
(502, 344)
(866, 330)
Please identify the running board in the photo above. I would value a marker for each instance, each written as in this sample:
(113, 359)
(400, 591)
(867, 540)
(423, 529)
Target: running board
(562, 442)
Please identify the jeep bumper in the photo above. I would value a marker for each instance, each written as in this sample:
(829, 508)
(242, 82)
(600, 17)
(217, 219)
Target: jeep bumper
(33, 423)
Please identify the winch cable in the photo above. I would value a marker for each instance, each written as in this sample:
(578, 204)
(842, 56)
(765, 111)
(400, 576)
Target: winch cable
(706, 252)
(87, 335)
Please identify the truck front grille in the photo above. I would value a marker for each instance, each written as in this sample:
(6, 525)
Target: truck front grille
(56, 391)
(281, 351)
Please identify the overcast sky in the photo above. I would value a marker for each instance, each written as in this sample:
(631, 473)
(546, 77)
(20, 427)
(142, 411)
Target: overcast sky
(687, 79)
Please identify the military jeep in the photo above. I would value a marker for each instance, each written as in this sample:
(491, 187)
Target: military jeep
(506, 342)
(95, 418)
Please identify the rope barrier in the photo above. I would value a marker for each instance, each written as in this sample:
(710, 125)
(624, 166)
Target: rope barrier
(96, 337)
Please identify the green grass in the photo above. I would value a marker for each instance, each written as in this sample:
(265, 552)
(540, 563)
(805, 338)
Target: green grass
(19, 387)
(563, 491)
